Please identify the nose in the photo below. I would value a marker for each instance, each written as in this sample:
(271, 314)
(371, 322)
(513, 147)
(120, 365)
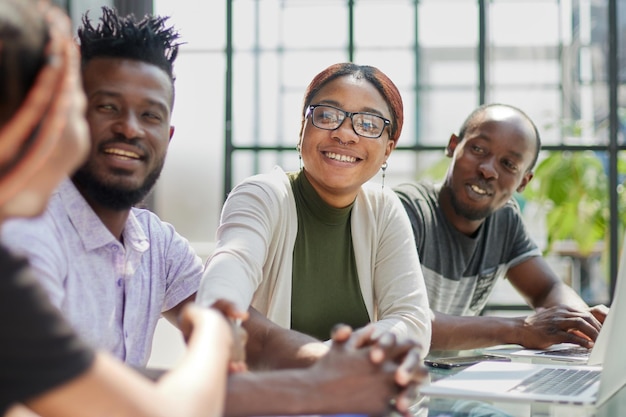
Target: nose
(488, 169)
(345, 133)
(128, 125)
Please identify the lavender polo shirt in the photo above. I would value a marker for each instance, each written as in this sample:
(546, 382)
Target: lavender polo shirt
(113, 294)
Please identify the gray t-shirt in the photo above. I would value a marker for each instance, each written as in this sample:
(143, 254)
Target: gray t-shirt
(461, 271)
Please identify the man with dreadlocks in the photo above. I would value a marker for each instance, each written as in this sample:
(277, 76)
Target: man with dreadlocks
(111, 268)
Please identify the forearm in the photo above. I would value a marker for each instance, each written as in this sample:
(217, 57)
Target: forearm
(226, 277)
(541, 287)
(458, 333)
(198, 383)
(415, 325)
(273, 347)
(269, 393)
(308, 391)
(195, 388)
(561, 294)
(304, 355)
(345, 380)
(172, 314)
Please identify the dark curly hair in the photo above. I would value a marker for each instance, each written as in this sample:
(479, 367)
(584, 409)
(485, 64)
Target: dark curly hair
(148, 40)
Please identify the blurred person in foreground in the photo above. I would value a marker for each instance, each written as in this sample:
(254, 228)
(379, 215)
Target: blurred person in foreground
(43, 137)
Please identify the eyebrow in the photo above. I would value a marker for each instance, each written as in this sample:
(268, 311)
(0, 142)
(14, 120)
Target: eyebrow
(364, 110)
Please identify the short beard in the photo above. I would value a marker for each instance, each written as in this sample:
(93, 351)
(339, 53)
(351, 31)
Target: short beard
(114, 197)
(464, 211)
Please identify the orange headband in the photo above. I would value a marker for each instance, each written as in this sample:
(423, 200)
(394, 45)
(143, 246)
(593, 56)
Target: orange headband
(46, 105)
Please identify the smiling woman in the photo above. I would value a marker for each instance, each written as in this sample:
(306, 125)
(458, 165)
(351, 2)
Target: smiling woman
(317, 247)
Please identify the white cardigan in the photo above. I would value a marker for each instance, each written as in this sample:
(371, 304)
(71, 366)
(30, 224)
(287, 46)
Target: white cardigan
(252, 261)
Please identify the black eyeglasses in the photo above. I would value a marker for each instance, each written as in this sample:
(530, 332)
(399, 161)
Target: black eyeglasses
(327, 117)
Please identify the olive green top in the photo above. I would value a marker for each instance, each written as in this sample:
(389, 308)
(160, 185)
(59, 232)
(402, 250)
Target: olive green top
(325, 285)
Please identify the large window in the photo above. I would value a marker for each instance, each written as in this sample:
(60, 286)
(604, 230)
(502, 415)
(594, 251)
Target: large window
(244, 65)
(551, 58)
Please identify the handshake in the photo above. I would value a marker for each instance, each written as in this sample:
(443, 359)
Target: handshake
(356, 372)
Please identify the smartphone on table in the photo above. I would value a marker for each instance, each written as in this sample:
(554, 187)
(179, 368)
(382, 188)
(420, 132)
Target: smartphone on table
(455, 361)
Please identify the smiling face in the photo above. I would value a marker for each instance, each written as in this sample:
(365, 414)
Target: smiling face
(129, 108)
(488, 165)
(338, 162)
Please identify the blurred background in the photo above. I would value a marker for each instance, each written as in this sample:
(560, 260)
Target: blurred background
(244, 65)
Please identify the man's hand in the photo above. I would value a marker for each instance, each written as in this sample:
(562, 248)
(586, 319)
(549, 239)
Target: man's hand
(387, 352)
(600, 312)
(562, 324)
(192, 317)
(240, 336)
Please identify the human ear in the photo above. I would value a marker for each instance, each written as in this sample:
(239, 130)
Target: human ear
(390, 146)
(452, 143)
(525, 180)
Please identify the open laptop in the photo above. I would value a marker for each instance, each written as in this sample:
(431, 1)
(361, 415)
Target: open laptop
(515, 381)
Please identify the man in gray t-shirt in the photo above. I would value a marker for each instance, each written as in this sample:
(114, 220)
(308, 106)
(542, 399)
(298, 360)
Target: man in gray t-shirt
(469, 233)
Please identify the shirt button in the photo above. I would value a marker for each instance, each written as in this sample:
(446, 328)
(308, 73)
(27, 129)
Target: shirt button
(119, 282)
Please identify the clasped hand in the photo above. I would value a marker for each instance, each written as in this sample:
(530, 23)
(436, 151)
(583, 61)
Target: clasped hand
(389, 376)
(240, 336)
(361, 373)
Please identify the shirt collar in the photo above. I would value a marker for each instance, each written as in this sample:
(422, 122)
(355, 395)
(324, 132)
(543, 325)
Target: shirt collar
(92, 232)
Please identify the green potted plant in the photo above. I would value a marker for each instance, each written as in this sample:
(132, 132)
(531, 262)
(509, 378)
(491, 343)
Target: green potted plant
(573, 186)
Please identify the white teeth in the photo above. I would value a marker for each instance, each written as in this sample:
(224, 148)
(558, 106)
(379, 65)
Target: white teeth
(478, 190)
(123, 153)
(341, 158)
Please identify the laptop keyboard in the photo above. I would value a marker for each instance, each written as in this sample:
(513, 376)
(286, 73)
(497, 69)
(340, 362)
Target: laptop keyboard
(558, 381)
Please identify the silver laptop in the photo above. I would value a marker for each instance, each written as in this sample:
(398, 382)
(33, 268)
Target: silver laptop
(590, 385)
